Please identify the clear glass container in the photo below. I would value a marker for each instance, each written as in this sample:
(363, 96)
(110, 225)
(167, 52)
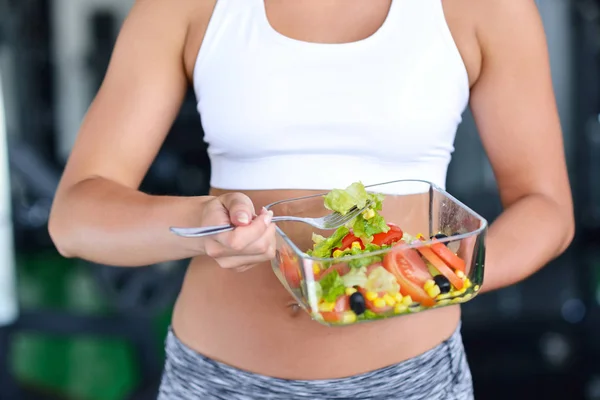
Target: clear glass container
(420, 272)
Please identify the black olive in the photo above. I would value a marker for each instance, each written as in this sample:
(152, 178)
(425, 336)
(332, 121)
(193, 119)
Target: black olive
(440, 236)
(442, 282)
(357, 303)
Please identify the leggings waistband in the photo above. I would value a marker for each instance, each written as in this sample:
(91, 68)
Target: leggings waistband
(441, 373)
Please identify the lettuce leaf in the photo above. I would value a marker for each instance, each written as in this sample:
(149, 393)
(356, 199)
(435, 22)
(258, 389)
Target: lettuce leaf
(332, 286)
(356, 195)
(366, 228)
(325, 246)
(342, 200)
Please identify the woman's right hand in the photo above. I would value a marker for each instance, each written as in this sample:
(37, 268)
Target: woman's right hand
(250, 243)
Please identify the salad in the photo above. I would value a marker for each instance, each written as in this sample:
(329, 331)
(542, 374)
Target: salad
(369, 273)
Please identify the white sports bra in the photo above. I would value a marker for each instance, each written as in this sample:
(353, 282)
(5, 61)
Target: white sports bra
(280, 113)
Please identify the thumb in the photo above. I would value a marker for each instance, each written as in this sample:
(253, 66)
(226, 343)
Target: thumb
(240, 208)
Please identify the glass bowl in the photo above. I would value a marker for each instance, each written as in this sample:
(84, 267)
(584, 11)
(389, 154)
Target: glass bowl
(421, 272)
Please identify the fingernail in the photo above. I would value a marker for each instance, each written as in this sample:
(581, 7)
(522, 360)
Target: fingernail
(242, 217)
(263, 210)
(268, 217)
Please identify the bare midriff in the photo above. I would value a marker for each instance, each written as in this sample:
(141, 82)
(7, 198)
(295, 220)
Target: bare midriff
(249, 321)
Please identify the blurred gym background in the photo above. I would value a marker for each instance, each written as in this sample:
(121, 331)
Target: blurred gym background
(71, 330)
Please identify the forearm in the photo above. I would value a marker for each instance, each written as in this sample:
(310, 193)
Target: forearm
(526, 236)
(104, 222)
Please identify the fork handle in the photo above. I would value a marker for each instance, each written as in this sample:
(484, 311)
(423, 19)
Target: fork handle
(213, 230)
(201, 232)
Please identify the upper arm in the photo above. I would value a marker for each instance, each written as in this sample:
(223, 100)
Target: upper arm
(514, 106)
(138, 101)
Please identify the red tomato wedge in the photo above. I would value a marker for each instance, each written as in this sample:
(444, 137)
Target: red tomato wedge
(348, 240)
(411, 273)
(371, 304)
(390, 237)
(439, 264)
(384, 238)
(342, 305)
(451, 259)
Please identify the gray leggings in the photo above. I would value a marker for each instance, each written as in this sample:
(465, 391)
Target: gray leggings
(441, 373)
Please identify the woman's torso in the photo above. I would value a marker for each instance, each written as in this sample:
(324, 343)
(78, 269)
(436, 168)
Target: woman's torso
(247, 319)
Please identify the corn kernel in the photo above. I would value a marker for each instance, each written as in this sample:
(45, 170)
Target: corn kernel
(389, 300)
(371, 296)
(468, 283)
(350, 291)
(337, 253)
(356, 245)
(316, 268)
(458, 292)
(460, 274)
(368, 214)
(379, 303)
(400, 308)
(476, 288)
(349, 317)
(398, 297)
(326, 307)
(433, 291)
(443, 296)
(442, 303)
(420, 236)
(429, 284)
(407, 300)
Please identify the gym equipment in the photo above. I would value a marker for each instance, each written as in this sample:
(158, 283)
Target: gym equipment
(142, 291)
(8, 295)
(586, 181)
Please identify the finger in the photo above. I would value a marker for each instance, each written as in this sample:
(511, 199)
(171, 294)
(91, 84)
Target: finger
(243, 236)
(240, 208)
(263, 244)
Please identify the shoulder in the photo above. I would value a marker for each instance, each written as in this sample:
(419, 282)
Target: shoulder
(180, 22)
(506, 25)
(494, 31)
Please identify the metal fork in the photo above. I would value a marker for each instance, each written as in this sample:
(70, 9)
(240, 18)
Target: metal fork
(328, 222)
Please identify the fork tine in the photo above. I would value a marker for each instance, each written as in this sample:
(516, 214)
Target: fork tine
(339, 219)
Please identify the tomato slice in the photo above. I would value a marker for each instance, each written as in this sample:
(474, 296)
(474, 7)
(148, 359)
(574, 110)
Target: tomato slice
(390, 237)
(341, 268)
(342, 305)
(411, 273)
(290, 269)
(451, 259)
(348, 240)
(371, 304)
(439, 264)
(384, 238)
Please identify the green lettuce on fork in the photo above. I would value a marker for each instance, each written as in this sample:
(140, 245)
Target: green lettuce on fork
(364, 226)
